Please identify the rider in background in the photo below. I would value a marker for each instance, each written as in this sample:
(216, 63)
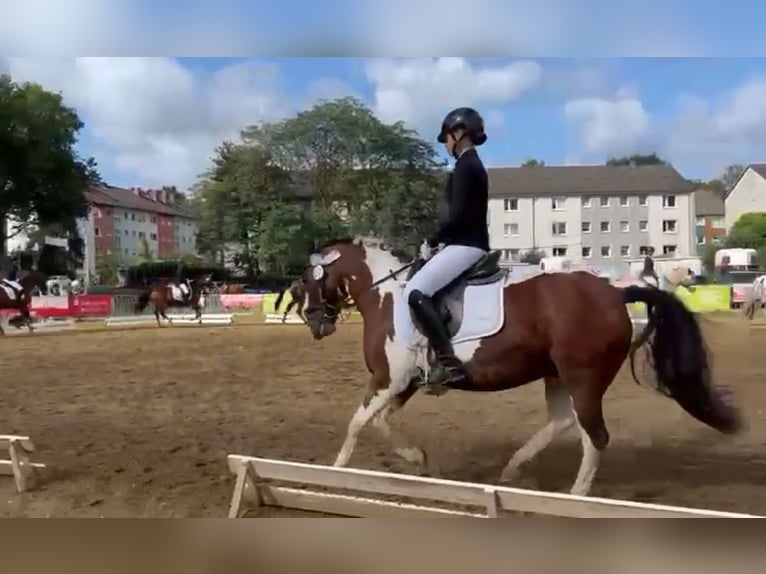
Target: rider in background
(464, 235)
(648, 270)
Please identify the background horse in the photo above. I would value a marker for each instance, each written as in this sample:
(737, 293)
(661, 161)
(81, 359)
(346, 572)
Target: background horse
(18, 295)
(297, 291)
(572, 330)
(166, 293)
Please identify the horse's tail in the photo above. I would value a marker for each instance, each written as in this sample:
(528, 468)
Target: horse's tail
(680, 359)
(143, 301)
(278, 302)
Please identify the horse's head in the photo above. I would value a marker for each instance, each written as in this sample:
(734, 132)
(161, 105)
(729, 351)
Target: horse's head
(342, 271)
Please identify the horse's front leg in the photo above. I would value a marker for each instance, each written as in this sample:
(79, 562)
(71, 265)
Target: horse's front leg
(197, 313)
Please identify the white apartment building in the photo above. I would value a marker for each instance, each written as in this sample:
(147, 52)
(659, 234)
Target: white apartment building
(592, 214)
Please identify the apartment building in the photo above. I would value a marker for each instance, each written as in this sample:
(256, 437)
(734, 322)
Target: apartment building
(747, 195)
(710, 214)
(591, 214)
(123, 223)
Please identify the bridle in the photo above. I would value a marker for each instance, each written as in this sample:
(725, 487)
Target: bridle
(331, 311)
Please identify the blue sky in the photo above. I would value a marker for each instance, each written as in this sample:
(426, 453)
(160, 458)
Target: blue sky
(654, 76)
(151, 121)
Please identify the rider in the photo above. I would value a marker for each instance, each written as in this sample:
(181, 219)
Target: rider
(183, 284)
(464, 235)
(648, 270)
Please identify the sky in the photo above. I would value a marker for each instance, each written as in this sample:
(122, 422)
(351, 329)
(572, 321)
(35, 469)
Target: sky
(584, 80)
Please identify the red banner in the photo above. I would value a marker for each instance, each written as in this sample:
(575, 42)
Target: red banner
(91, 305)
(73, 306)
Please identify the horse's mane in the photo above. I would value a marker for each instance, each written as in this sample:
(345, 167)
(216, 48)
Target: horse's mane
(397, 252)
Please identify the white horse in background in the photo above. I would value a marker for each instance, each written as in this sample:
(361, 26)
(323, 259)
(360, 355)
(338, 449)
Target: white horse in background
(756, 298)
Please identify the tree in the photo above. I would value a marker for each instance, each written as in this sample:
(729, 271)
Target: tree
(532, 162)
(329, 171)
(638, 159)
(748, 231)
(730, 176)
(42, 178)
(533, 256)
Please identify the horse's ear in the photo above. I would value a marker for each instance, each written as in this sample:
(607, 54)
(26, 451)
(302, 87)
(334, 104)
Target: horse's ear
(315, 259)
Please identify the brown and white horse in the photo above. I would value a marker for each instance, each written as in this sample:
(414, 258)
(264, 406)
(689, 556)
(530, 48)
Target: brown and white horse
(572, 330)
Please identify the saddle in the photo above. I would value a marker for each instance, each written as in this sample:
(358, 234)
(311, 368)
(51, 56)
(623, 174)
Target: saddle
(450, 300)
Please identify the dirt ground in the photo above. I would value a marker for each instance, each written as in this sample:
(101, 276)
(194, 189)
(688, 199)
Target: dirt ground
(138, 422)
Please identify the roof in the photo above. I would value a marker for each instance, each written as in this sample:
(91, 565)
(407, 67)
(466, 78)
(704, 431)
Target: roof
(708, 203)
(129, 199)
(759, 168)
(586, 180)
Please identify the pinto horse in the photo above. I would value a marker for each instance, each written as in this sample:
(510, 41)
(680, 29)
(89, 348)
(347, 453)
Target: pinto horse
(165, 293)
(18, 295)
(570, 329)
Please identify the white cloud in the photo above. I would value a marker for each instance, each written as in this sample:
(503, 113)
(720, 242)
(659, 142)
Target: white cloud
(420, 91)
(610, 126)
(154, 119)
(702, 135)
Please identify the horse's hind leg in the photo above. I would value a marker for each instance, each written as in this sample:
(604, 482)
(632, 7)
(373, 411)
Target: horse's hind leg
(560, 419)
(587, 388)
(400, 443)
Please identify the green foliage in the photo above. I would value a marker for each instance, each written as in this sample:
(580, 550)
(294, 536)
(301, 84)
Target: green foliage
(748, 231)
(708, 257)
(532, 162)
(533, 256)
(638, 159)
(42, 178)
(329, 171)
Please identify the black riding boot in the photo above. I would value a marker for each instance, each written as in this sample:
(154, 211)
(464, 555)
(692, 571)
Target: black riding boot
(446, 367)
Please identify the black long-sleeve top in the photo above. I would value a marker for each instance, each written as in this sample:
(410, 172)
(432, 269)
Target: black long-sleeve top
(467, 195)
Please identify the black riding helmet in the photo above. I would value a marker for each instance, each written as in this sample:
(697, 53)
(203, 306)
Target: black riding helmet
(466, 118)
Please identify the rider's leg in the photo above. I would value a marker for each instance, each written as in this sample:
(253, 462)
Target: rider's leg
(439, 271)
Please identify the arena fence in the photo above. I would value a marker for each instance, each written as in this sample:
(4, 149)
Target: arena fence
(18, 464)
(123, 312)
(446, 498)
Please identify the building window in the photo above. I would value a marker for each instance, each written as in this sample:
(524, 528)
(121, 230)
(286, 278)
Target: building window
(668, 249)
(606, 251)
(559, 251)
(643, 225)
(154, 219)
(96, 232)
(511, 254)
(133, 216)
(624, 201)
(509, 229)
(605, 227)
(558, 203)
(96, 212)
(141, 234)
(624, 250)
(624, 226)
(717, 221)
(586, 227)
(510, 204)
(153, 236)
(700, 239)
(642, 200)
(586, 252)
(669, 226)
(643, 250)
(559, 228)
(586, 201)
(668, 201)
(603, 201)
(700, 221)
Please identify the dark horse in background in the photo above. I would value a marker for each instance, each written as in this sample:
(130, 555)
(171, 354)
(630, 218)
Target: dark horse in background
(18, 295)
(164, 293)
(572, 330)
(297, 290)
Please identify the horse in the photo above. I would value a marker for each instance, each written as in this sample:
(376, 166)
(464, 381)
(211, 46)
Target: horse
(165, 293)
(18, 295)
(297, 292)
(572, 330)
